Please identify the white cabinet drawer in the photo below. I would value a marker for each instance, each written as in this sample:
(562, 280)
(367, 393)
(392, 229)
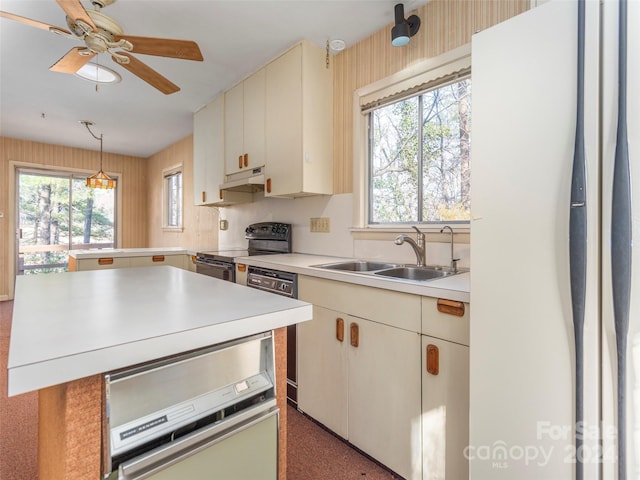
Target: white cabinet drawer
(448, 326)
(396, 309)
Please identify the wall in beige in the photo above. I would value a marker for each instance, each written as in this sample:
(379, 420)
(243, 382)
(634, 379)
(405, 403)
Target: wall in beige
(133, 202)
(446, 24)
(200, 223)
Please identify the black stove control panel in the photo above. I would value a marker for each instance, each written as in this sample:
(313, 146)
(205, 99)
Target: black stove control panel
(268, 231)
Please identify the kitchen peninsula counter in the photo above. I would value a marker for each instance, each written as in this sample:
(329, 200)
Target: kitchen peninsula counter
(69, 329)
(72, 325)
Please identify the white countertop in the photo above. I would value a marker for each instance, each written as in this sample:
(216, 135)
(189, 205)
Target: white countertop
(59, 335)
(454, 287)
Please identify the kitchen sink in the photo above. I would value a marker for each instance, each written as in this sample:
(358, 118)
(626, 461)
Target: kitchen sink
(392, 270)
(416, 273)
(358, 266)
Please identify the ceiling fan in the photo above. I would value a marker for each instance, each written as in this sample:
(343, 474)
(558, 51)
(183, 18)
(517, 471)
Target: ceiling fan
(102, 34)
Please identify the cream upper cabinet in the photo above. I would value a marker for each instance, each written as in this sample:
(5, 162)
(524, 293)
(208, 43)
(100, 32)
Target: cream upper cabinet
(208, 166)
(208, 157)
(244, 124)
(299, 123)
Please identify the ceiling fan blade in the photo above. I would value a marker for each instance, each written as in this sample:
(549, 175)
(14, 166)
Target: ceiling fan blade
(72, 61)
(164, 47)
(148, 74)
(75, 11)
(31, 22)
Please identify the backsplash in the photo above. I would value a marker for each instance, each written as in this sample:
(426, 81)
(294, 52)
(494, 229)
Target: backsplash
(339, 242)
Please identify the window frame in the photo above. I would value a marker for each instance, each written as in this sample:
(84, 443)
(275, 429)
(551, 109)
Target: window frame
(377, 94)
(166, 174)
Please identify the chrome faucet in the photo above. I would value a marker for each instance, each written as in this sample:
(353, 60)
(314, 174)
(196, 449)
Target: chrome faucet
(454, 261)
(418, 247)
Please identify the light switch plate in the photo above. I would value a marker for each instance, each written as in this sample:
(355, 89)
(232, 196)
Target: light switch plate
(224, 224)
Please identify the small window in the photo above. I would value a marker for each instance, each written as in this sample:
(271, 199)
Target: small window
(173, 198)
(419, 157)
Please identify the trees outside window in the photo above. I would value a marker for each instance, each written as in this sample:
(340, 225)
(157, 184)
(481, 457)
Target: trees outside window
(419, 157)
(173, 198)
(57, 212)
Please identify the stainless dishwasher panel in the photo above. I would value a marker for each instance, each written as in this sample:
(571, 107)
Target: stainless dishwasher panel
(176, 403)
(246, 451)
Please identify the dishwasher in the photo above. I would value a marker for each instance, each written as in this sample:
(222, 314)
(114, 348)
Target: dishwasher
(286, 284)
(205, 414)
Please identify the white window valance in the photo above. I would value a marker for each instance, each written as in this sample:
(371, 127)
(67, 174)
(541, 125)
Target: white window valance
(430, 73)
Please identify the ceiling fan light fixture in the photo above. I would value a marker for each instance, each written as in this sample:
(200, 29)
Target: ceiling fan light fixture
(403, 29)
(98, 74)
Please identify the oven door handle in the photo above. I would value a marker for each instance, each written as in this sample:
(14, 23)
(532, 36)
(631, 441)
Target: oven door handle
(157, 460)
(220, 266)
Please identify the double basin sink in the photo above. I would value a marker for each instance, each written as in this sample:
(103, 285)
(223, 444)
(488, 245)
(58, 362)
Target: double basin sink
(392, 270)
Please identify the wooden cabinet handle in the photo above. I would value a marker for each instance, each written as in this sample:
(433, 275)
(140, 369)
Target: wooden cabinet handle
(246, 159)
(105, 261)
(157, 258)
(204, 197)
(433, 359)
(451, 307)
(239, 161)
(354, 335)
(268, 186)
(220, 193)
(340, 329)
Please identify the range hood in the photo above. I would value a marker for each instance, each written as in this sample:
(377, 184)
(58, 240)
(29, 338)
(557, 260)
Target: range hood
(250, 181)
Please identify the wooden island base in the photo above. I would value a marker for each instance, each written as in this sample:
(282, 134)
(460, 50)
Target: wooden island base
(70, 424)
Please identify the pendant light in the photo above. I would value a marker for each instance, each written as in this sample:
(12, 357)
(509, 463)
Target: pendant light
(403, 29)
(100, 179)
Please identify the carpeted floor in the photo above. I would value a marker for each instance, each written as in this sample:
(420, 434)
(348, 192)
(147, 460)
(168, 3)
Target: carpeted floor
(313, 453)
(18, 417)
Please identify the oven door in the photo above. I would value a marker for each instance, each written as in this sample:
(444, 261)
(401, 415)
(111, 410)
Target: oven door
(247, 450)
(221, 270)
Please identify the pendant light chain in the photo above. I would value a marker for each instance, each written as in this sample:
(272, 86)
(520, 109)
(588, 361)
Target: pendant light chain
(327, 57)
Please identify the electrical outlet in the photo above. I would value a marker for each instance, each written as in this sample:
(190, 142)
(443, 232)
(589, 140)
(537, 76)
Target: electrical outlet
(320, 225)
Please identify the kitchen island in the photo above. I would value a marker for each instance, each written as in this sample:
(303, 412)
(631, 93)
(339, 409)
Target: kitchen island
(69, 329)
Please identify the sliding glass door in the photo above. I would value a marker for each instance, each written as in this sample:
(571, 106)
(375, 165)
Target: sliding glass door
(57, 212)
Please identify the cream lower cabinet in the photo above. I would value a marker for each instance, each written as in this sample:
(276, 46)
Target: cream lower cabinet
(157, 260)
(445, 411)
(105, 263)
(445, 389)
(323, 388)
(359, 369)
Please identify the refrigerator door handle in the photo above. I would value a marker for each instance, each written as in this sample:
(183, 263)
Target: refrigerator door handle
(578, 244)
(621, 246)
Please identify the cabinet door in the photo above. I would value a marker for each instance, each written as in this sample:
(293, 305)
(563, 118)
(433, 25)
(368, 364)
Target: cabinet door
(445, 410)
(208, 152)
(233, 128)
(284, 123)
(322, 369)
(384, 396)
(254, 119)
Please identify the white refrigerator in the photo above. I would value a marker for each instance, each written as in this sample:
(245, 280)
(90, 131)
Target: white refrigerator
(549, 399)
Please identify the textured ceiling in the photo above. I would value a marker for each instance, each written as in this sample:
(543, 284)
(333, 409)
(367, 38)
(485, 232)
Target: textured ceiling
(235, 37)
